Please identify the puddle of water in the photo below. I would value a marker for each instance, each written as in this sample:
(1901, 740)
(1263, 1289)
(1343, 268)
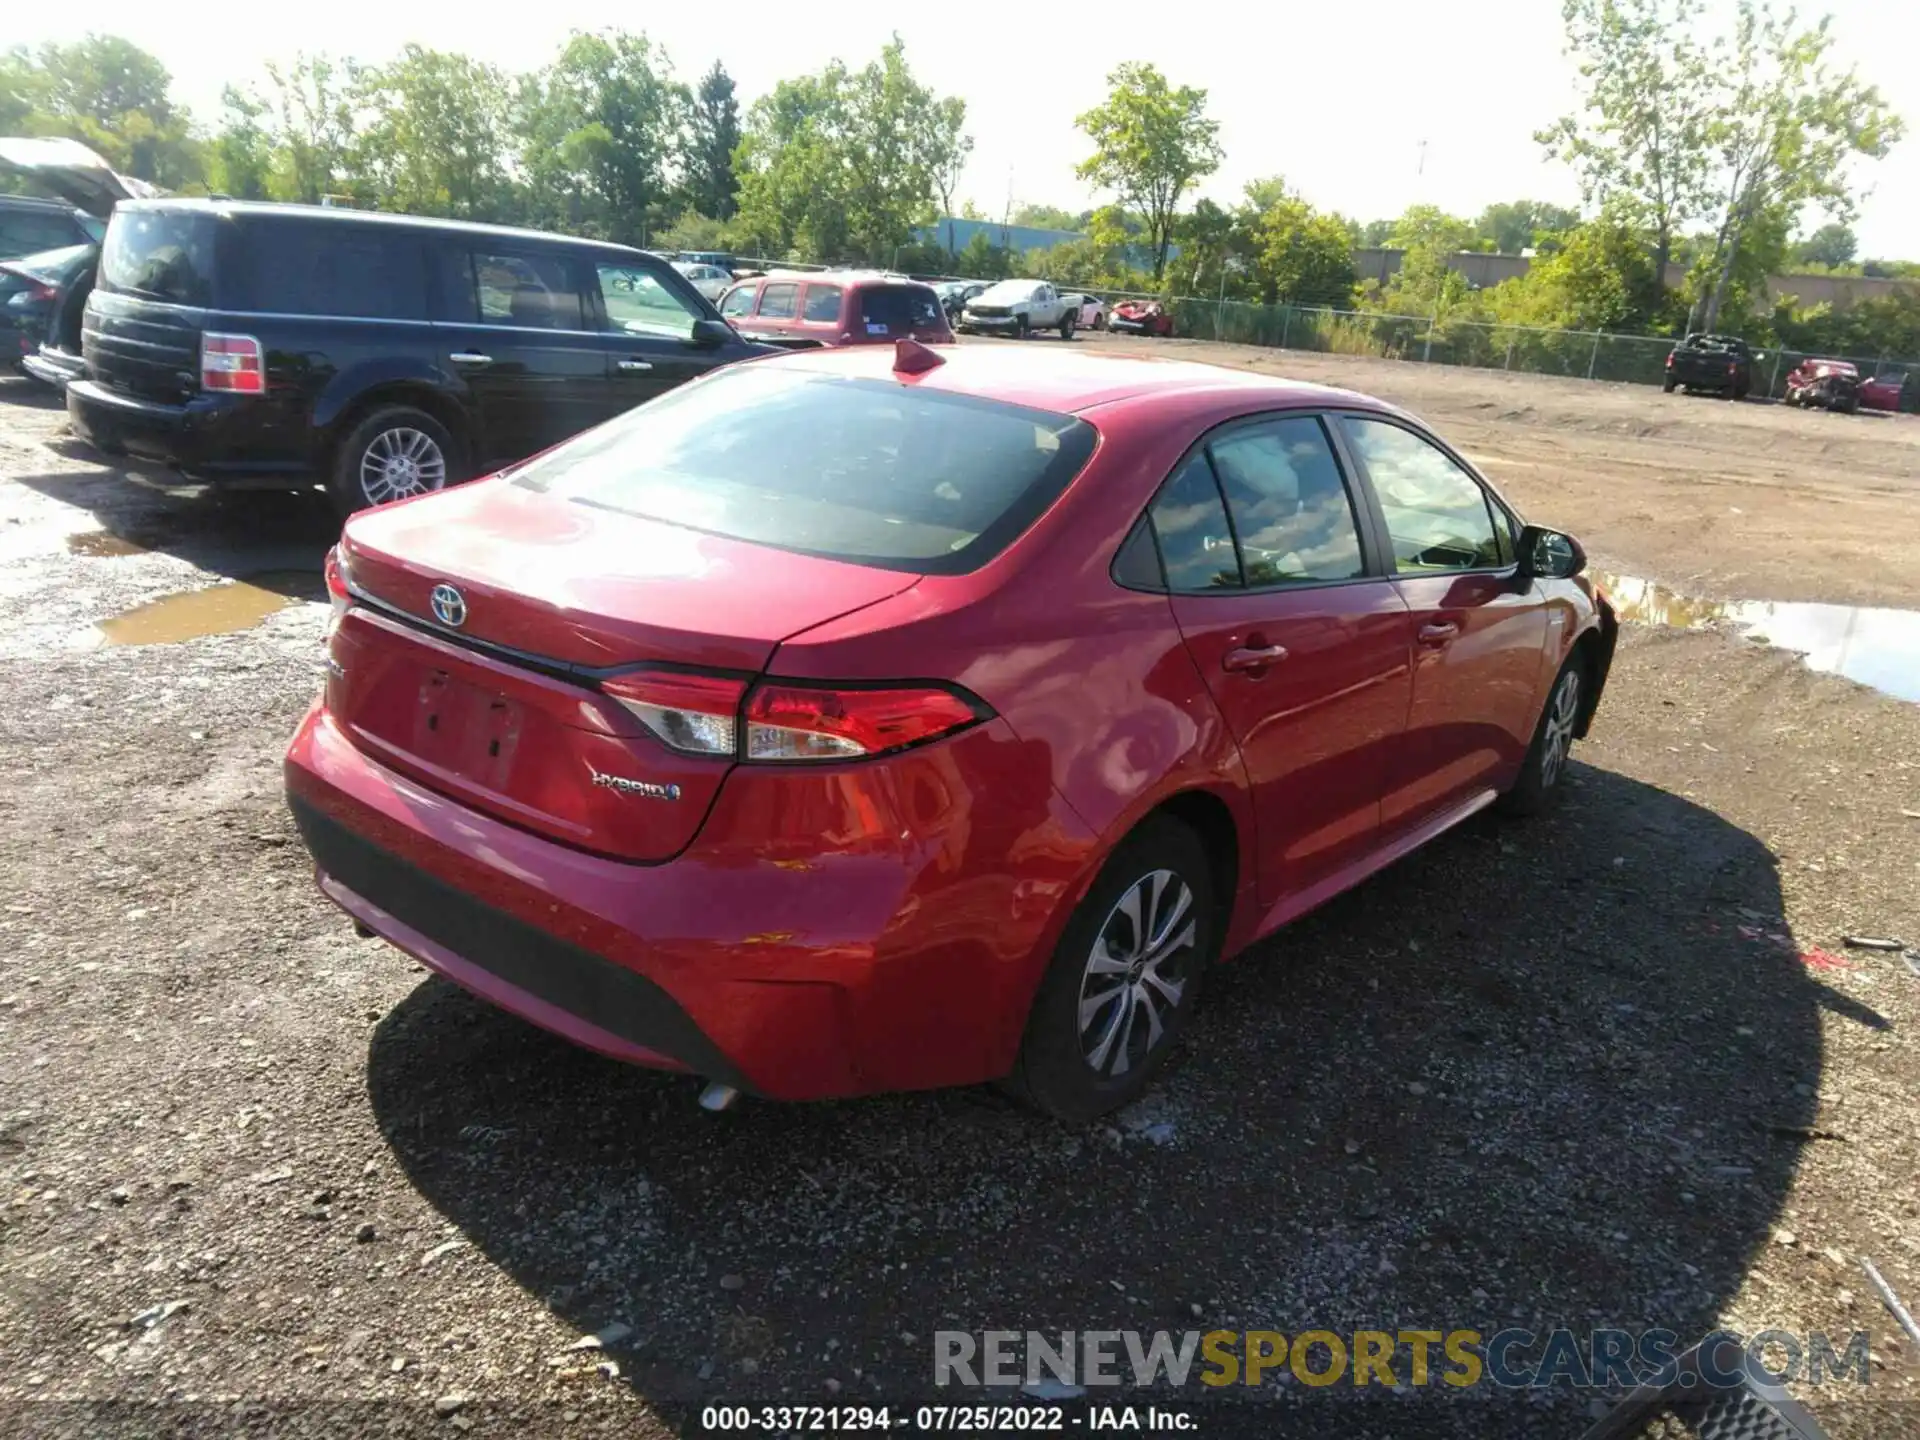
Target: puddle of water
(1874, 646)
(217, 610)
(102, 543)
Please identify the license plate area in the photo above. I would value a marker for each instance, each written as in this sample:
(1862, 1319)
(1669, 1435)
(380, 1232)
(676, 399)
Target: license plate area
(465, 729)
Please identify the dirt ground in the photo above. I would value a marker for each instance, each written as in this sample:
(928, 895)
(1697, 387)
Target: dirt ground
(1746, 501)
(260, 1176)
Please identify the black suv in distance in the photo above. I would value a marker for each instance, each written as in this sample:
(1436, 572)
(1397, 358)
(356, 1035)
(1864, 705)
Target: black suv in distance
(1722, 363)
(380, 355)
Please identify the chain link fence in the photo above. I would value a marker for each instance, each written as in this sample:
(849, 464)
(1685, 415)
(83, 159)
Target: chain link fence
(1531, 350)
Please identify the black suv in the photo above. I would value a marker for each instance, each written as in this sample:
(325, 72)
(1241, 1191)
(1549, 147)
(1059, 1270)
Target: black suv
(380, 355)
(1721, 363)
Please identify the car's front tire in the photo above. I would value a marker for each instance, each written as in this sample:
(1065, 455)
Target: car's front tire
(1124, 978)
(1543, 772)
(1022, 327)
(395, 453)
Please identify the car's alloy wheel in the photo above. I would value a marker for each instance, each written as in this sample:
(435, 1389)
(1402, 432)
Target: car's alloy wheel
(1136, 972)
(1124, 976)
(1563, 713)
(400, 463)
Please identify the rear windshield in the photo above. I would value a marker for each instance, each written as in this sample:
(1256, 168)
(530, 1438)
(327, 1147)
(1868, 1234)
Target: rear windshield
(861, 470)
(898, 309)
(160, 255)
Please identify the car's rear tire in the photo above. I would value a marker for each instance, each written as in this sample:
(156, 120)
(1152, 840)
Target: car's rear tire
(1543, 772)
(1670, 383)
(1066, 326)
(1124, 978)
(394, 453)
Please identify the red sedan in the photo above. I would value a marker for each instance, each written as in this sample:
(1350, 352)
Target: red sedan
(871, 719)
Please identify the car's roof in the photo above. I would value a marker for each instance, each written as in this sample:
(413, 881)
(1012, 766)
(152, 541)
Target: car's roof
(1069, 380)
(40, 202)
(338, 214)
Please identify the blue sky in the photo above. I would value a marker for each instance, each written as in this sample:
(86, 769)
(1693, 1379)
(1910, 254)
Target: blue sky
(1338, 99)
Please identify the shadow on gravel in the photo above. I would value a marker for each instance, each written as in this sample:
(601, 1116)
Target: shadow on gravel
(1534, 1075)
(237, 533)
(30, 394)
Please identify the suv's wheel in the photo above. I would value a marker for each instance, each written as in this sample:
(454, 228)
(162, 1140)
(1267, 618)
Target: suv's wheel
(1668, 384)
(1124, 977)
(394, 453)
(1545, 767)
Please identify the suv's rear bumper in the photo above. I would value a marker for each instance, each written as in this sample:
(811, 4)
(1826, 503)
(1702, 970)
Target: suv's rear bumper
(210, 437)
(58, 368)
(886, 958)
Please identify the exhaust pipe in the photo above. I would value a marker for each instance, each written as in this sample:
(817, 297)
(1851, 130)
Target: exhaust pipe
(717, 1097)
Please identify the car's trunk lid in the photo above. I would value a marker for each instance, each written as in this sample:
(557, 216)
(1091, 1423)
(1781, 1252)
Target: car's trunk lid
(502, 711)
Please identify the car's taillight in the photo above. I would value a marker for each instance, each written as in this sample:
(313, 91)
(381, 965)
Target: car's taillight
(694, 714)
(782, 721)
(232, 363)
(787, 722)
(1669, 361)
(1733, 369)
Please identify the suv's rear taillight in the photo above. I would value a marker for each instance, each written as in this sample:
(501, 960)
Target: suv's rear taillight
(232, 363)
(783, 721)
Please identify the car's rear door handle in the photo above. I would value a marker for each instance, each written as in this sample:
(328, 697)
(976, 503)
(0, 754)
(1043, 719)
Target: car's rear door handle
(1253, 657)
(1438, 633)
(471, 358)
(633, 365)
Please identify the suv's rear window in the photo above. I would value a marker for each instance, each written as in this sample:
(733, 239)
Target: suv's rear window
(898, 309)
(861, 470)
(160, 255)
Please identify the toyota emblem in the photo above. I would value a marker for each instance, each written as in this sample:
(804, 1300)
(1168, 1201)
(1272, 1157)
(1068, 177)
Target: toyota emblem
(449, 606)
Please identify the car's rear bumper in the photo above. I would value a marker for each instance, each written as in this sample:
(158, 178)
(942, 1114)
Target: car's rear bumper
(57, 368)
(210, 437)
(886, 958)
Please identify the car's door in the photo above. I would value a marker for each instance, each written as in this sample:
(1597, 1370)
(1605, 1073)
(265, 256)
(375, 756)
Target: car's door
(1480, 631)
(646, 324)
(514, 326)
(1302, 638)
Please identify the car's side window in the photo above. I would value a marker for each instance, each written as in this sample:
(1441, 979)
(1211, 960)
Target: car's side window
(1438, 517)
(776, 302)
(823, 304)
(738, 302)
(1289, 504)
(536, 292)
(636, 303)
(1190, 521)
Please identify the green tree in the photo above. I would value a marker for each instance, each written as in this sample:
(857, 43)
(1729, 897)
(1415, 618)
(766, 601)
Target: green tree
(713, 134)
(1049, 217)
(946, 146)
(1426, 282)
(595, 131)
(1639, 142)
(1832, 245)
(843, 165)
(981, 259)
(438, 139)
(1376, 233)
(240, 156)
(108, 94)
(312, 98)
(1518, 224)
(1600, 278)
(1151, 145)
(1301, 256)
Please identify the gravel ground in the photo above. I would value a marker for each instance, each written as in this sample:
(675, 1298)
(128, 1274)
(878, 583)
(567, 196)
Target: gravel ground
(1542, 1073)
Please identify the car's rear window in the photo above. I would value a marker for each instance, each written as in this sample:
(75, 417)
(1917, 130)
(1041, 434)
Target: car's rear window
(868, 471)
(896, 310)
(160, 255)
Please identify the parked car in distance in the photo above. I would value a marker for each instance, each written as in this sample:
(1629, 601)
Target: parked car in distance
(886, 717)
(954, 295)
(31, 226)
(1720, 363)
(41, 300)
(1140, 317)
(1089, 312)
(1885, 392)
(381, 356)
(1018, 308)
(710, 280)
(803, 310)
(719, 259)
(1816, 384)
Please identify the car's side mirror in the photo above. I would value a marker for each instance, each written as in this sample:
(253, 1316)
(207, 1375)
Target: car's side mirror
(710, 334)
(1549, 555)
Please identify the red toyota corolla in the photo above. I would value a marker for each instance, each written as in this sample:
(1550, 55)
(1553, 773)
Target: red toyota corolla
(875, 719)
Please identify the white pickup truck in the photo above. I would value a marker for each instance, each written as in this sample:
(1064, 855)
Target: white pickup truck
(1018, 308)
